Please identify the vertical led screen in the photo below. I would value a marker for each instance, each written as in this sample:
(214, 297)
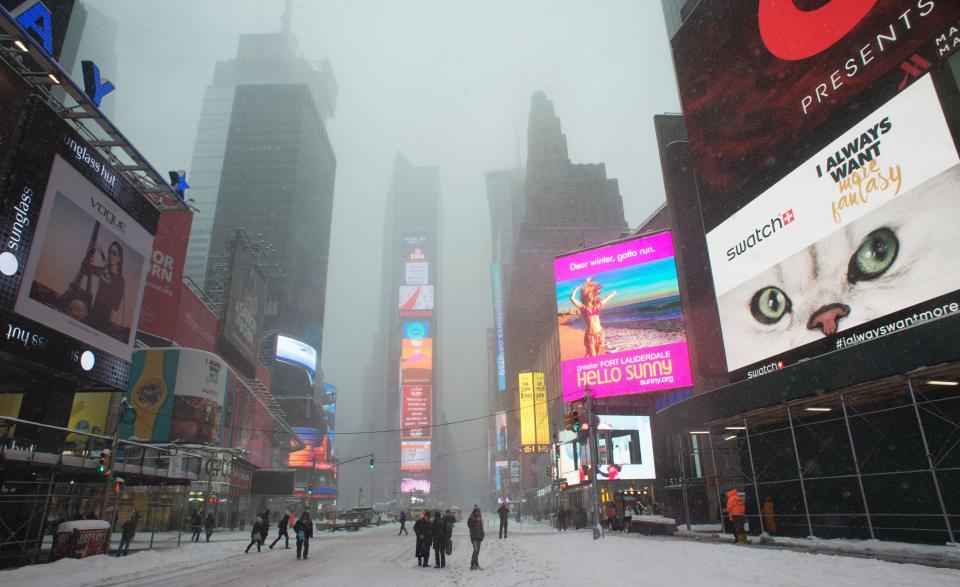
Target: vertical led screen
(243, 314)
(416, 360)
(161, 296)
(497, 285)
(315, 453)
(620, 319)
(415, 411)
(541, 411)
(416, 301)
(826, 233)
(414, 455)
(329, 404)
(534, 423)
(500, 421)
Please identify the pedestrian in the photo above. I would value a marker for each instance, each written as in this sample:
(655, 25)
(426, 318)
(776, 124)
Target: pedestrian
(562, 520)
(282, 526)
(208, 525)
(769, 515)
(197, 525)
(265, 526)
(504, 512)
(422, 529)
(128, 531)
(475, 525)
(448, 521)
(736, 508)
(403, 523)
(304, 531)
(438, 533)
(255, 535)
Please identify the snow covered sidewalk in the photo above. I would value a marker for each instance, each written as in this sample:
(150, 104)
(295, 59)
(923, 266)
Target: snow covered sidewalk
(532, 555)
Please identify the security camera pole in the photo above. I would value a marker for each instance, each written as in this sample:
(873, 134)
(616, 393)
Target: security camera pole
(595, 458)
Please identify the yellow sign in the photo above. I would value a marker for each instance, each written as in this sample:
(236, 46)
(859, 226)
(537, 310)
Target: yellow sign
(528, 424)
(9, 406)
(88, 414)
(541, 411)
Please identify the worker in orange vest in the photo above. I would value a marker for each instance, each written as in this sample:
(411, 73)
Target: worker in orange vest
(736, 509)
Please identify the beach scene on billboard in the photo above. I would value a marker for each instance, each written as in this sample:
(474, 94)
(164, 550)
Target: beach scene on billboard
(87, 268)
(620, 319)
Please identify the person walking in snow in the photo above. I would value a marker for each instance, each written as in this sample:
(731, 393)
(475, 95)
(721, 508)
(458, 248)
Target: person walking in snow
(438, 534)
(504, 512)
(304, 531)
(403, 523)
(448, 521)
(282, 526)
(208, 525)
(422, 529)
(128, 531)
(264, 526)
(475, 525)
(197, 526)
(255, 534)
(736, 509)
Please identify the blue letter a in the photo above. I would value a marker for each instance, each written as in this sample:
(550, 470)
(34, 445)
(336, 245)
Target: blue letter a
(38, 21)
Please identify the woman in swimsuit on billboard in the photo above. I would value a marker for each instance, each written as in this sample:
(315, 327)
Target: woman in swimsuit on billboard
(589, 306)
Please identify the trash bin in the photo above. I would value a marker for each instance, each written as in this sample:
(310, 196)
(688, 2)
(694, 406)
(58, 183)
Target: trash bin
(80, 539)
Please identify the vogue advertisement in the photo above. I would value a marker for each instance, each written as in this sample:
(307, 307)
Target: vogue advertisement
(828, 187)
(620, 320)
(87, 266)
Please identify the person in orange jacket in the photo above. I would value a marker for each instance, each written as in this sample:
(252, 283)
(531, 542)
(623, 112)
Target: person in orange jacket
(736, 509)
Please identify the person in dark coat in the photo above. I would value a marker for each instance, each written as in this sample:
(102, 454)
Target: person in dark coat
(265, 526)
(403, 523)
(438, 534)
(197, 525)
(562, 520)
(448, 521)
(208, 525)
(128, 531)
(504, 512)
(255, 535)
(282, 526)
(475, 525)
(304, 531)
(422, 529)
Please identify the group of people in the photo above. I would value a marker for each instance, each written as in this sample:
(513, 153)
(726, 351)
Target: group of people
(302, 529)
(201, 524)
(438, 534)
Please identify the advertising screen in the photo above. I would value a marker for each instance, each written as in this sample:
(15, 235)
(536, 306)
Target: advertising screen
(161, 296)
(828, 186)
(88, 414)
(500, 421)
(414, 455)
(534, 423)
(417, 273)
(415, 329)
(295, 352)
(329, 404)
(88, 264)
(414, 248)
(416, 301)
(626, 447)
(497, 285)
(416, 360)
(316, 452)
(272, 482)
(414, 486)
(620, 319)
(243, 314)
(415, 411)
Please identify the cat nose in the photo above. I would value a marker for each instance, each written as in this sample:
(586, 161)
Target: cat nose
(827, 317)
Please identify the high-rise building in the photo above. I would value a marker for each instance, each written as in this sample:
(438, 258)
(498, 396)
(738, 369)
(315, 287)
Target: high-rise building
(406, 349)
(263, 162)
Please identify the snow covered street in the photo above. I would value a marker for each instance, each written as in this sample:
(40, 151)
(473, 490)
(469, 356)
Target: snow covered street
(532, 555)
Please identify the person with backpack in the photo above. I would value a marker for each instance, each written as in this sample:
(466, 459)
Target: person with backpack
(475, 525)
(255, 534)
(282, 526)
(304, 531)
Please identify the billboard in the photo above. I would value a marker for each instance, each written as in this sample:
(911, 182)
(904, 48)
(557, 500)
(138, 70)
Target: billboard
(272, 482)
(626, 447)
(88, 414)
(295, 352)
(178, 394)
(500, 473)
(417, 273)
(414, 486)
(316, 452)
(197, 325)
(88, 264)
(243, 312)
(329, 404)
(827, 185)
(415, 329)
(542, 411)
(620, 320)
(416, 410)
(534, 428)
(416, 360)
(414, 248)
(500, 423)
(161, 296)
(416, 301)
(414, 455)
(497, 285)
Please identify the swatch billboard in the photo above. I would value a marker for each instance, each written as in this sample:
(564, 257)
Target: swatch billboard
(828, 186)
(620, 320)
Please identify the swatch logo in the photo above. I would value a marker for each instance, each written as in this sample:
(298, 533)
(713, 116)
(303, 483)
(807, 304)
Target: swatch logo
(760, 234)
(793, 34)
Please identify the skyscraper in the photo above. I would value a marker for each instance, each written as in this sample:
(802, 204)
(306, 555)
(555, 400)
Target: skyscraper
(263, 162)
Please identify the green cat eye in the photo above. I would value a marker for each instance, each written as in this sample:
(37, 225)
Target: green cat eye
(769, 305)
(874, 256)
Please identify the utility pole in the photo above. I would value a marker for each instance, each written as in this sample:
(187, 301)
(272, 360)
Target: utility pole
(595, 458)
(124, 407)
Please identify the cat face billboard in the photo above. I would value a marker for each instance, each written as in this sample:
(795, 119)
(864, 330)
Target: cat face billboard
(827, 169)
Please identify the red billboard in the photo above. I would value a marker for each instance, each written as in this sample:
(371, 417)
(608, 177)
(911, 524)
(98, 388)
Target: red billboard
(416, 410)
(197, 326)
(161, 296)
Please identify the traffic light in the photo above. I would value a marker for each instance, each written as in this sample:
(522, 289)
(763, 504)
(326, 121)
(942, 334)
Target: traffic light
(372, 465)
(575, 425)
(103, 465)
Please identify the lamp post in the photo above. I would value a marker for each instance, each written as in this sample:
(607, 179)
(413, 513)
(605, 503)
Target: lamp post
(595, 458)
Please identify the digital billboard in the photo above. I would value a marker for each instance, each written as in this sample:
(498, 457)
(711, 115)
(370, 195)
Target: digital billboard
(88, 414)
(497, 285)
(416, 410)
(414, 455)
(827, 187)
(416, 360)
(620, 319)
(542, 412)
(88, 265)
(414, 486)
(316, 452)
(417, 273)
(295, 352)
(625, 446)
(161, 296)
(500, 422)
(243, 313)
(329, 404)
(416, 301)
(534, 425)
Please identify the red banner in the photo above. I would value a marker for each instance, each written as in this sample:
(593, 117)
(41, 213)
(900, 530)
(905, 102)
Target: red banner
(161, 295)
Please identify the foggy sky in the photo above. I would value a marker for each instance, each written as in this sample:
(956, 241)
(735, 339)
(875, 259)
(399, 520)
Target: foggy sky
(446, 83)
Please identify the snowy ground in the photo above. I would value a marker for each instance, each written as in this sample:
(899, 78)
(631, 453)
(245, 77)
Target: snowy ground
(533, 555)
